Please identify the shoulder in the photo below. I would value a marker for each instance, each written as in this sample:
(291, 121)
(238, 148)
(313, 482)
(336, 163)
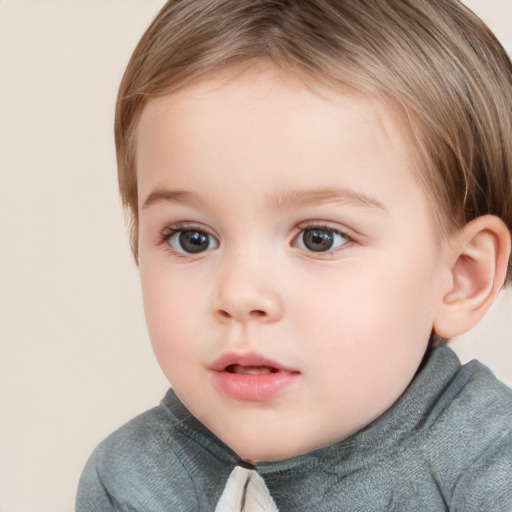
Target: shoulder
(474, 400)
(164, 459)
(134, 464)
(469, 446)
(147, 433)
(486, 483)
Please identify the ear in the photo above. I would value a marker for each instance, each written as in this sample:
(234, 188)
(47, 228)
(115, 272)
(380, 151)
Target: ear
(478, 257)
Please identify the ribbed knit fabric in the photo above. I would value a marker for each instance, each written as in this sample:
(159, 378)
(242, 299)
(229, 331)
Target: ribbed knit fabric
(445, 445)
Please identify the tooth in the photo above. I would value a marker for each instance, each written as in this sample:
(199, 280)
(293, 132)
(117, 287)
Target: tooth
(257, 371)
(250, 370)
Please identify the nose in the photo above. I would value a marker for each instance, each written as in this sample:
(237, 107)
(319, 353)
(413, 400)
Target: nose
(247, 292)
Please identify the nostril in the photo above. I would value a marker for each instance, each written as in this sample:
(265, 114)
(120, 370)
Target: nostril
(254, 314)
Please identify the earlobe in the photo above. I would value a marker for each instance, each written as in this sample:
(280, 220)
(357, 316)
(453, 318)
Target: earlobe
(478, 265)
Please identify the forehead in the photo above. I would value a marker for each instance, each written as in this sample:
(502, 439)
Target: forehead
(266, 124)
(266, 89)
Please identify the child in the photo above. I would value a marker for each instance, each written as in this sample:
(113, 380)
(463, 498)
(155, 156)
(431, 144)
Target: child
(321, 196)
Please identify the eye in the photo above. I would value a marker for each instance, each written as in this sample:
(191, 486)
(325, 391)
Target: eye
(191, 241)
(319, 239)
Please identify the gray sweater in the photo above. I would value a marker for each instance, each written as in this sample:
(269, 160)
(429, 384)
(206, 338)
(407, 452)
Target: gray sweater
(446, 444)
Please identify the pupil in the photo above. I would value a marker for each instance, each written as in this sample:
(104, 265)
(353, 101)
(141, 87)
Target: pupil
(194, 241)
(318, 240)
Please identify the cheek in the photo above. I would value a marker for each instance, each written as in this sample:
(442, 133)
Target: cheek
(171, 310)
(382, 305)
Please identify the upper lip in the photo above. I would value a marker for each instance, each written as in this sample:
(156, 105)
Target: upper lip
(247, 359)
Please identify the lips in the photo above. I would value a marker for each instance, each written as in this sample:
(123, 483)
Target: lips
(251, 377)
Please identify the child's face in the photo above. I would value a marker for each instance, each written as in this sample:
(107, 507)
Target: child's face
(290, 268)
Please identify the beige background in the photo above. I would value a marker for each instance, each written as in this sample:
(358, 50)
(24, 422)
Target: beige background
(75, 357)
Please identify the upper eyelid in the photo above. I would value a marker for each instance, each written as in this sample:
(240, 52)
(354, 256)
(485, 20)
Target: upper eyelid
(320, 227)
(342, 230)
(197, 226)
(165, 234)
(188, 226)
(176, 227)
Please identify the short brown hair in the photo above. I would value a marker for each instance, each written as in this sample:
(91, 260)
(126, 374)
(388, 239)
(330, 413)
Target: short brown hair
(434, 59)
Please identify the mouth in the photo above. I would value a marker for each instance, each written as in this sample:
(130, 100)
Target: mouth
(250, 370)
(248, 363)
(250, 377)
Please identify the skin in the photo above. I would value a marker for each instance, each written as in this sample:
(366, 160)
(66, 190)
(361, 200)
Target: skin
(251, 160)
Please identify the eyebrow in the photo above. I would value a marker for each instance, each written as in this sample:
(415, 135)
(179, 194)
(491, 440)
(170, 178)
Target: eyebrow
(172, 196)
(281, 200)
(288, 199)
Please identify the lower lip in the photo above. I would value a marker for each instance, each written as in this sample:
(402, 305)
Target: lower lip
(251, 387)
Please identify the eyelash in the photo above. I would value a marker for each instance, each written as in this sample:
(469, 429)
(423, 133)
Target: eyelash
(170, 232)
(323, 228)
